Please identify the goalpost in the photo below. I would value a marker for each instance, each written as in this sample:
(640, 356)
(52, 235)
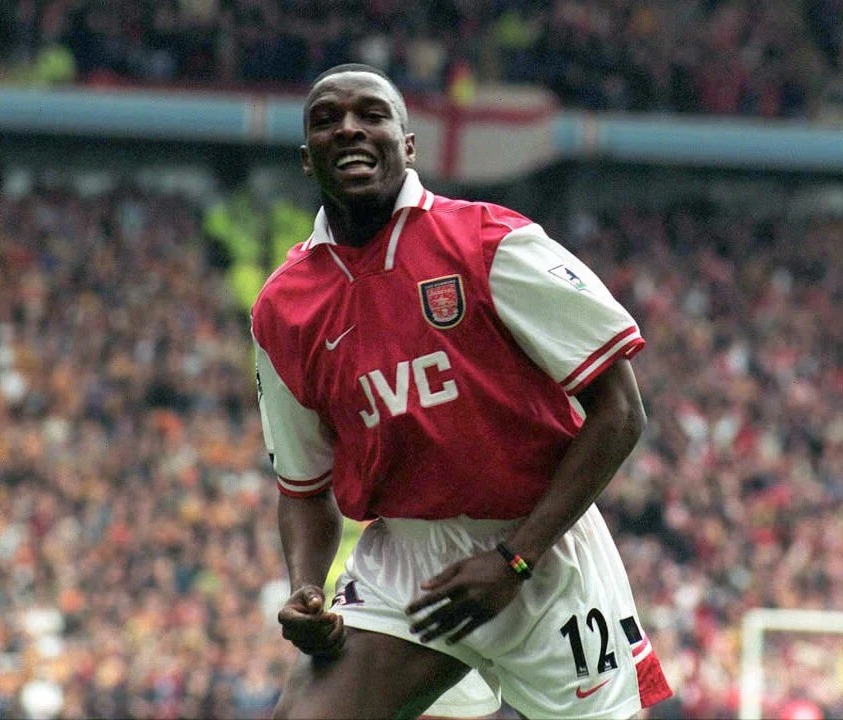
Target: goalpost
(756, 623)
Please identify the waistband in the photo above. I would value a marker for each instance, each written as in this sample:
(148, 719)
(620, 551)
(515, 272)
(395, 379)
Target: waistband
(414, 528)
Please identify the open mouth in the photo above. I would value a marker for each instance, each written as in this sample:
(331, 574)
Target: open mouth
(355, 161)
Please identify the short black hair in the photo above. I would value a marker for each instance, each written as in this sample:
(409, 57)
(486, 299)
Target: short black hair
(353, 67)
(356, 67)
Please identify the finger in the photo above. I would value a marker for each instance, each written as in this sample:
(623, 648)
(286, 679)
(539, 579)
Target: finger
(441, 610)
(433, 634)
(443, 628)
(337, 633)
(422, 624)
(439, 622)
(437, 580)
(328, 631)
(427, 600)
(315, 603)
(302, 623)
(291, 617)
(308, 605)
(335, 640)
(469, 627)
(307, 601)
(307, 635)
(319, 646)
(328, 645)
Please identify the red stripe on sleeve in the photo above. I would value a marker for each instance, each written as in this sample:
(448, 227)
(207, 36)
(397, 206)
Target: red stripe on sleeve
(306, 486)
(627, 350)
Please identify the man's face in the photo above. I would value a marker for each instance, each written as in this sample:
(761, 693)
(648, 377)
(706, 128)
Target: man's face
(356, 147)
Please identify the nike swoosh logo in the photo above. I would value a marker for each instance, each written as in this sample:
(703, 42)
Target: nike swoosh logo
(585, 693)
(331, 344)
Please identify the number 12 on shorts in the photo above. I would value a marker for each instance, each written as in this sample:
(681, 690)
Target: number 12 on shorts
(596, 622)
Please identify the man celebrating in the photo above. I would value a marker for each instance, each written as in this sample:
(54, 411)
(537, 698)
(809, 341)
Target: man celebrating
(446, 370)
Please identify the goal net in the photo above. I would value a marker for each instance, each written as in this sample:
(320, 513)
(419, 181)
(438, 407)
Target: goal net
(791, 664)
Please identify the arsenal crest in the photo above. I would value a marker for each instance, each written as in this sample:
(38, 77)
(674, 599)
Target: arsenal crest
(443, 301)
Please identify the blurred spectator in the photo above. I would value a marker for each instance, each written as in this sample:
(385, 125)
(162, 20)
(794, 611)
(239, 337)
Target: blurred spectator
(825, 23)
(770, 59)
(135, 537)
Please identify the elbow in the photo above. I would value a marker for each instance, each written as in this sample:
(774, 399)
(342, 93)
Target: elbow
(614, 408)
(628, 422)
(621, 426)
(637, 424)
(633, 423)
(630, 408)
(637, 418)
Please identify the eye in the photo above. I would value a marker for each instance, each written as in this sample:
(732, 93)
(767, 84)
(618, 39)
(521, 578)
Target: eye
(321, 116)
(317, 121)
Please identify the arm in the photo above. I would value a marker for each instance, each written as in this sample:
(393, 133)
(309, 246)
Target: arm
(310, 525)
(481, 586)
(529, 274)
(310, 530)
(614, 421)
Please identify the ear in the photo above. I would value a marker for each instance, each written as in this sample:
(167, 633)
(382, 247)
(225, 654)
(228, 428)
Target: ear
(410, 148)
(306, 165)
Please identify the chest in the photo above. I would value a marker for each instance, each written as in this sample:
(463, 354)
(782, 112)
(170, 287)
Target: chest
(387, 342)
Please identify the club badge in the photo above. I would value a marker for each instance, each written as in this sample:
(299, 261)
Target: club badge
(443, 301)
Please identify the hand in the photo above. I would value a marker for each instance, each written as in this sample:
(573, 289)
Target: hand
(474, 590)
(305, 623)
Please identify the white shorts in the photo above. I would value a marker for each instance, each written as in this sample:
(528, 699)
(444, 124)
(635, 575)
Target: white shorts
(569, 645)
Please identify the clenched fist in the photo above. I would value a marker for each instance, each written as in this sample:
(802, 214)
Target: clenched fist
(306, 624)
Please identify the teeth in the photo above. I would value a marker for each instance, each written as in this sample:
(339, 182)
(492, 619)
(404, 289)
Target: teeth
(354, 158)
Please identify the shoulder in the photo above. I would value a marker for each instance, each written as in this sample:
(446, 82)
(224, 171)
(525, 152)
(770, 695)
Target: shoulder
(487, 211)
(281, 286)
(494, 222)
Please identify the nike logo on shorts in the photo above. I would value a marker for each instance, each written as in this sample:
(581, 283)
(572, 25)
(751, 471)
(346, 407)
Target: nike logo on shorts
(331, 344)
(581, 694)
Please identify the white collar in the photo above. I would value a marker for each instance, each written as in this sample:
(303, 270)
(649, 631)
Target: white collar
(412, 195)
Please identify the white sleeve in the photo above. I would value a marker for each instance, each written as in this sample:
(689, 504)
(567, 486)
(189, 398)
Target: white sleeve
(560, 313)
(295, 437)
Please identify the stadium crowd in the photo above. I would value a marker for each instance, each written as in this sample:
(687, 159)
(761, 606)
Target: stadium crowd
(137, 526)
(734, 499)
(727, 57)
(139, 560)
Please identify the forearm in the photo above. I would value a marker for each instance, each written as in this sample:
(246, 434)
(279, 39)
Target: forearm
(615, 420)
(310, 530)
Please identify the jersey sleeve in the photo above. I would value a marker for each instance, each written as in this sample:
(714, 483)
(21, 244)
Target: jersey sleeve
(560, 313)
(295, 437)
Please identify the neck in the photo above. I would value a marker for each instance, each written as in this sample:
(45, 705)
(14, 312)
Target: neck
(357, 225)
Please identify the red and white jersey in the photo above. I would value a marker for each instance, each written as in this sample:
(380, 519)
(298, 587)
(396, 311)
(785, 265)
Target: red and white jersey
(429, 373)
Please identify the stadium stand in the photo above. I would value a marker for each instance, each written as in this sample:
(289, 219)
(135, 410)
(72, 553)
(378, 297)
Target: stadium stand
(771, 59)
(133, 507)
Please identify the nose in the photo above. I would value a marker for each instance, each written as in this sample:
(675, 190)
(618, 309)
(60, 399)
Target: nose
(349, 126)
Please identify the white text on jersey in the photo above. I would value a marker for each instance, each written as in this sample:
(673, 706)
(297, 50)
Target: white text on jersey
(396, 398)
